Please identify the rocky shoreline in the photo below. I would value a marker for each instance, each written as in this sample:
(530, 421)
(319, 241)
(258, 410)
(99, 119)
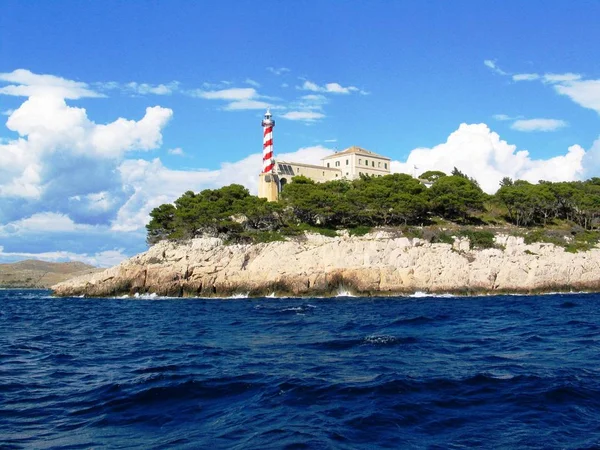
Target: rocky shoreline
(314, 265)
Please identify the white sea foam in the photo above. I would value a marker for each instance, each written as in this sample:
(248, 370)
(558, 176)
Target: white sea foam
(146, 296)
(379, 339)
(343, 292)
(421, 294)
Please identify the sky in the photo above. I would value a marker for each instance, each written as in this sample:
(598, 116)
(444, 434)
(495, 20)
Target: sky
(109, 109)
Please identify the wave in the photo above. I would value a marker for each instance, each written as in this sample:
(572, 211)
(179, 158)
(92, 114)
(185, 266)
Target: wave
(373, 340)
(421, 294)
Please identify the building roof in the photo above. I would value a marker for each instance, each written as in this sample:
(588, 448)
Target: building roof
(358, 151)
(311, 166)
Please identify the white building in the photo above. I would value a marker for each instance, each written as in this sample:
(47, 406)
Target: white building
(355, 161)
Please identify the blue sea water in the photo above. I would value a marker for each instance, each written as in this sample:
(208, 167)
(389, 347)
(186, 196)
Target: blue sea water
(490, 372)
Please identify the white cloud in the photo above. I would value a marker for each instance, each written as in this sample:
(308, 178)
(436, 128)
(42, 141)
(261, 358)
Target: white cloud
(278, 70)
(176, 151)
(150, 184)
(231, 94)
(585, 93)
(560, 77)
(330, 88)
(159, 89)
(480, 153)
(330, 140)
(306, 116)
(63, 163)
(136, 88)
(248, 104)
(237, 98)
(27, 84)
(502, 117)
(538, 124)
(107, 258)
(525, 77)
(7, 112)
(494, 67)
(47, 222)
(591, 160)
(251, 82)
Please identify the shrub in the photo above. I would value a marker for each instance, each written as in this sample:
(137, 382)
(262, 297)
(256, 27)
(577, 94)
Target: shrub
(479, 239)
(443, 238)
(360, 230)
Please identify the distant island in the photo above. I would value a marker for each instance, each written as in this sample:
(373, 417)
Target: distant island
(383, 235)
(40, 274)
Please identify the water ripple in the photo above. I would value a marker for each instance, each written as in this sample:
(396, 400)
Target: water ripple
(420, 372)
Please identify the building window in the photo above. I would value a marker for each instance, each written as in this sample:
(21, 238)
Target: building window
(336, 175)
(366, 162)
(360, 161)
(346, 173)
(337, 164)
(347, 162)
(385, 164)
(298, 170)
(327, 164)
(379, 164)
(323, 173)
(373, 163)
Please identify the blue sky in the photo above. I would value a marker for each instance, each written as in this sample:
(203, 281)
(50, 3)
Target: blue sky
(506, 89)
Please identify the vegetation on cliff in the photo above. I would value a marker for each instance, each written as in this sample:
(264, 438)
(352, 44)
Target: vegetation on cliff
(391, 201)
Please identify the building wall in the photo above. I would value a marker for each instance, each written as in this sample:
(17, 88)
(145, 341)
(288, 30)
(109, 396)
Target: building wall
(352, 165)
(316, 173)
(268, 186)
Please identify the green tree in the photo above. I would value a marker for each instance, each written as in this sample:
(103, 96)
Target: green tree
(455, 197)
(432, 175)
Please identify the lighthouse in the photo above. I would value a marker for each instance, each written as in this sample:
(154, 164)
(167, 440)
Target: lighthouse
(268, 181)
(268, 124)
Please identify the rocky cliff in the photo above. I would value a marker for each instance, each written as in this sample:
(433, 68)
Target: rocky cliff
(377, 263)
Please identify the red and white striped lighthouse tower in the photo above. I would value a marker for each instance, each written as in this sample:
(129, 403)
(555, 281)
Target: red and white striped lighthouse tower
(268, 124)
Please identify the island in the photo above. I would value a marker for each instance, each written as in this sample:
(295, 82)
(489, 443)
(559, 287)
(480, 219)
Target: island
(388, 235)
(35, 274)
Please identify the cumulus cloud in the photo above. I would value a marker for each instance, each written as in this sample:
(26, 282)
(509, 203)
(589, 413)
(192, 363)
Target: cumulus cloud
(479, 152)
(176, 151)
(27, 84)
(49, 130)
(149, 184)
(47, 221)
(62, 162)
(538, 124)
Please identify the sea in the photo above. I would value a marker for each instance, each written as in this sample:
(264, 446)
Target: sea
(506, 372)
